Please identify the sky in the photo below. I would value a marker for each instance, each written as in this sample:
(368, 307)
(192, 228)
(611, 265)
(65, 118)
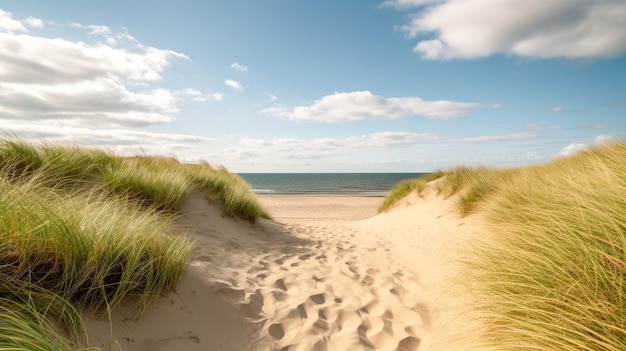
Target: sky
(317, 86)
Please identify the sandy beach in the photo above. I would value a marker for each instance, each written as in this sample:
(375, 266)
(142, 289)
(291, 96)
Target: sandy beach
(327, 273)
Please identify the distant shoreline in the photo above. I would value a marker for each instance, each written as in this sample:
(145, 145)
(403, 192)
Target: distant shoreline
(325, 184)
(381, 195)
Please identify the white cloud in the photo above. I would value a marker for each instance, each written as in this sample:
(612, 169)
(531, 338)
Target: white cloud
(237, 67)
(119, 140)
(391, 139)
(9, 24)
(362, 105)
(62, 81)
(407, 4)
(99, 30)
(199, 96)
(571, 149)
(539, 126)
(373, 140)
(88, 94)
(233, 84)
(270, 97)
(470, 29)
(502, 137)
(557, 108)
(97, 101)
(295, 148)
(603, 139)
(43, 60)
(34, 22)
(217, 96)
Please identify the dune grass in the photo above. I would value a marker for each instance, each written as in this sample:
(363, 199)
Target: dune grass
(82, 230)
(552, 272)
(57, 165)
(158, 182)
(549, 272)
(30, 319)
(235, 194)
(91, 252)
(404, 188)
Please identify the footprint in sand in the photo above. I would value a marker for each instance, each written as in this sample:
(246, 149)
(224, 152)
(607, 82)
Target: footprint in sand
(409, 344)
(276, 331)
(302, 311)
(335, 295)
(280, 283)
(367, 281)
(318, 298)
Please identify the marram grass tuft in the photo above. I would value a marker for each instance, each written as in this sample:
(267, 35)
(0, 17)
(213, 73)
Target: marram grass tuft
(82, 230)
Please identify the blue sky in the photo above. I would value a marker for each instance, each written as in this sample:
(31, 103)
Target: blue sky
(318, 86)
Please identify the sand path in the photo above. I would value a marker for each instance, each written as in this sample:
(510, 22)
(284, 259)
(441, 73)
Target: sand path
(318, 277)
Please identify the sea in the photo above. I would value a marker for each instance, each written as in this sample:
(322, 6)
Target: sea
(361, 184)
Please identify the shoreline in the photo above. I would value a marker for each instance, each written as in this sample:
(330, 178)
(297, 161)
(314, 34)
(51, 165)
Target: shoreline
(381, 195)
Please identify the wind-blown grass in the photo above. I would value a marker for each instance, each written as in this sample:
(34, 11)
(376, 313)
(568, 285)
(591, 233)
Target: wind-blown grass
(162, 183)
(552, 273)
(404, 188)
(238, 200)
(549, 272)
(93, 252)
(473, 185)
(54, 165)
(30, 318)
(84, 230)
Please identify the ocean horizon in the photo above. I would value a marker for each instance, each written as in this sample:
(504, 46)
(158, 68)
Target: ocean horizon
(361, 184)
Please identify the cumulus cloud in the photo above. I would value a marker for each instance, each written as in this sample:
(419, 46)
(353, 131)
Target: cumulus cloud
(87, 93)
(572, 149)
(234, 84)
(34, 22)
(11, 25)
(115, 139)
(362, 105)
(470, 29)
(74, 82)
(603, 139)
(95, 102)
(237, 67)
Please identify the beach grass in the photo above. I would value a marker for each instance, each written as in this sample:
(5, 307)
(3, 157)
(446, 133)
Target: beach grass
(34, 319)
(159, 182)
(549, 271)
(233, 191)
(83, 230)
(404, 188)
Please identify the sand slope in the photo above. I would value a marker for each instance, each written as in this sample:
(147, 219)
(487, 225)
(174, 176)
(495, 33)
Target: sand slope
(313, 279)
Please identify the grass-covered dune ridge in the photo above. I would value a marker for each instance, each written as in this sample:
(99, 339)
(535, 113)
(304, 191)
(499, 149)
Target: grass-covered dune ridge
(549, 272)
(404, 188)
(83, 230)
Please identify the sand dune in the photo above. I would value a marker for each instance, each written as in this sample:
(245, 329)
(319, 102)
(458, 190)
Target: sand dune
(321, 276)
